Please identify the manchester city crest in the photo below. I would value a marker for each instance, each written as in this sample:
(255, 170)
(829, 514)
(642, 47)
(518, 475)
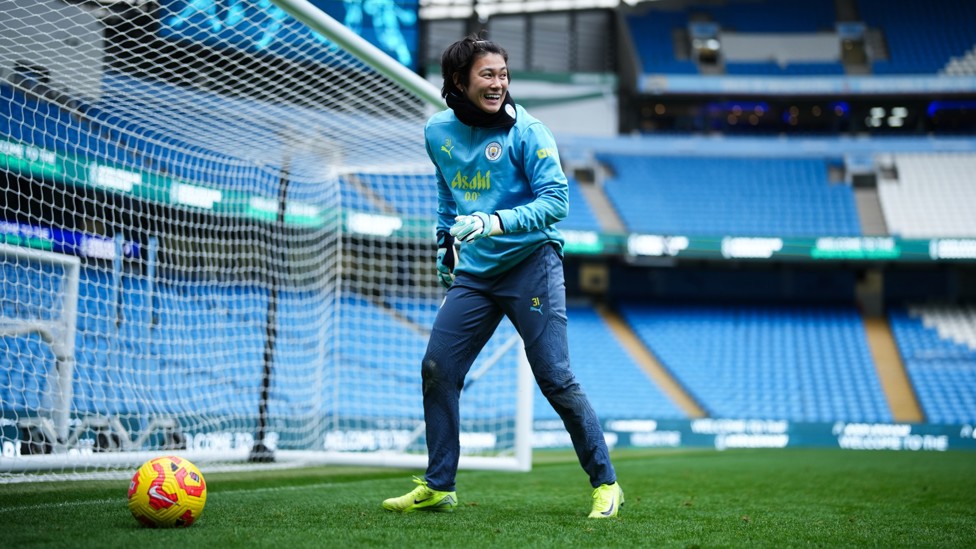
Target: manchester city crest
(493, 150)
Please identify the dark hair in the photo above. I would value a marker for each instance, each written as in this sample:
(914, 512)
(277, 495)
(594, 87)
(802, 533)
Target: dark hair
(459, 57)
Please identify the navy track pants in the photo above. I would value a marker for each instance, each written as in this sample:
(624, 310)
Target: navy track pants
(533, 296)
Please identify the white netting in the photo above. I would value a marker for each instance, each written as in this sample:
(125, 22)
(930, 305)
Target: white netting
(254, 229)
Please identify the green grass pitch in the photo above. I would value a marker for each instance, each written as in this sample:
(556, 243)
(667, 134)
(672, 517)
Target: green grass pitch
(675, 498)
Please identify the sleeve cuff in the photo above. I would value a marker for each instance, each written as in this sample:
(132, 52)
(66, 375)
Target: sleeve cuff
(507, 220)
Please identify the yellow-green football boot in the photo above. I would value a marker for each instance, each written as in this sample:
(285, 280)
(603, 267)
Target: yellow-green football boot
(607, 500)
(422, 498)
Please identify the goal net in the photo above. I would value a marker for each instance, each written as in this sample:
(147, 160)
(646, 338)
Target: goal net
(218, 224)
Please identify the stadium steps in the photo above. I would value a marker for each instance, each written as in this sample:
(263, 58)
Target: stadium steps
(891, 371)
(649, 363)
(600, 205)
(869, 212)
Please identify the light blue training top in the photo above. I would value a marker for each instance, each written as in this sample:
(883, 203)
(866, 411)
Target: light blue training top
(513, 172)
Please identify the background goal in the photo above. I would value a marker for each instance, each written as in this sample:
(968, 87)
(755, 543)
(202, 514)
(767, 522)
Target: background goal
(241, 212)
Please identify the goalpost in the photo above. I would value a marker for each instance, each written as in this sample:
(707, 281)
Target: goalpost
(50, 311)
(233, 212)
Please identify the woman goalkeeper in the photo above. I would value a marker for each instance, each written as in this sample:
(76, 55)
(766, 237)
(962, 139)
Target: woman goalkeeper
(500, 190)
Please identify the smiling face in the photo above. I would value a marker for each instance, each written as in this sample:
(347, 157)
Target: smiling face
(487, 82)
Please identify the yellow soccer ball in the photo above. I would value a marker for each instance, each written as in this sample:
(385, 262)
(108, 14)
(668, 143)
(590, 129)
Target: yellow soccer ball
(167, 492)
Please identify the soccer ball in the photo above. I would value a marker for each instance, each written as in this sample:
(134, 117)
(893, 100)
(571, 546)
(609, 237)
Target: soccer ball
(167, 491)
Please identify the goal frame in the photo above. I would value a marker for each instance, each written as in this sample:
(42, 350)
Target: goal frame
(55, 413)
(59, 426)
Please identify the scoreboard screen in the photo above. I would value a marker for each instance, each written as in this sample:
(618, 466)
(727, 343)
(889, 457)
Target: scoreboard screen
(260, 26)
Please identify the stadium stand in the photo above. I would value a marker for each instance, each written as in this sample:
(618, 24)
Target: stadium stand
(729, 196)
(775, 68)
(26, 293)
(938, 346)
(964, 65)
(393, 359)
(783, 362)
(628, 393)
(916, 38)
(921, 38)
(617, 387)
(793, 16)
(581, 216)
(409, 320)
(653, 32)
(107, 352)
(928, 195)
(199, 145)
(384, 193)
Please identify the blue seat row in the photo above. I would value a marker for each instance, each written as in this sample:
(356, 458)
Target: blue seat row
(921, 38)
(715, 196)
(808, 364)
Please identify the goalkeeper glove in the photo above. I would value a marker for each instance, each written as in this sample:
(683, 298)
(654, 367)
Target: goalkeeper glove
(446, 259)
(468, 228)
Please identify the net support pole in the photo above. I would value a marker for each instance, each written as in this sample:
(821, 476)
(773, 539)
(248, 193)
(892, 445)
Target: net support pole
(261, 452)
(320, 22)
(147, 320)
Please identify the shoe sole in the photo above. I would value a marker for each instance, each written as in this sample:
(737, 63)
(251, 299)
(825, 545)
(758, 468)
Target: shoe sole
(436, 508)
(431, 509)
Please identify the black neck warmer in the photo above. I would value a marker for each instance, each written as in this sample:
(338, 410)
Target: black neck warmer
(470, 115)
